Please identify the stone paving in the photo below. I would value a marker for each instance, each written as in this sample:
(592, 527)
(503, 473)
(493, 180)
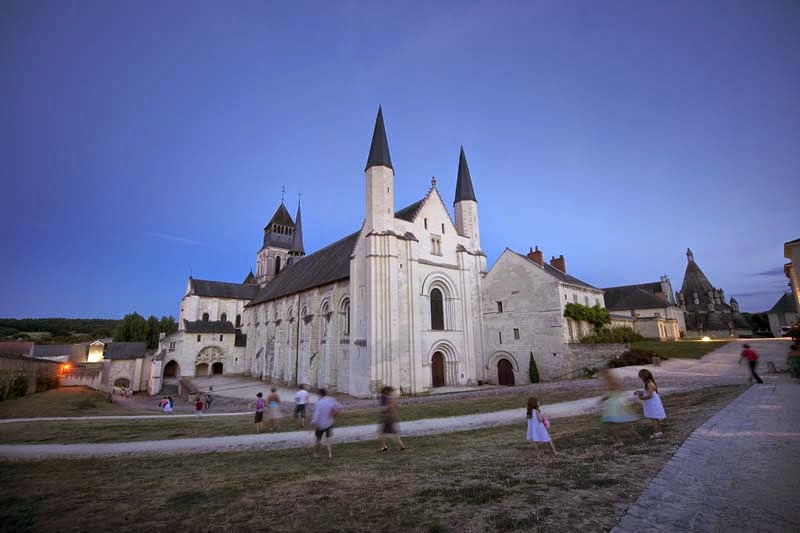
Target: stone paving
(740, 471)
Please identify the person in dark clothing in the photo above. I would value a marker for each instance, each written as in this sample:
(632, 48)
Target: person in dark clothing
(752, 359)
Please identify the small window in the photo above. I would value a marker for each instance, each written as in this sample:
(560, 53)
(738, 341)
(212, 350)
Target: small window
(499, 307)
(425, 221)
(223, 317)
(436, 246)
(198, 338)
(205, 317)
(442, 229)
(516, 333)
(172, 346)
(575, 298)
(586, 301)
(238, 321)
(220, 338)
(500, 337)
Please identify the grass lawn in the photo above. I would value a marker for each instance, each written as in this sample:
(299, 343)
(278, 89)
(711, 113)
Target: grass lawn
(679, 349)
(488, 479)
(168, 427)
(63, 401)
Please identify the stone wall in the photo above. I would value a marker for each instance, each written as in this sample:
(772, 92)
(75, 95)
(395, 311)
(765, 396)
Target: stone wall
(88, 375)
(592, 356)
(12, 366)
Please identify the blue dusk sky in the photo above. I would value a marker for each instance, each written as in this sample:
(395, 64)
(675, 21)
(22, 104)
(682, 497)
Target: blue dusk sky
(142, 142)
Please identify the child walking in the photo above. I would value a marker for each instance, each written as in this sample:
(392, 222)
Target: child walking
(653, 408)
(615, 411)
(537, 431)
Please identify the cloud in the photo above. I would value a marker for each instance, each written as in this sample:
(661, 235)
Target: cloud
(777, 271)
(175, 238)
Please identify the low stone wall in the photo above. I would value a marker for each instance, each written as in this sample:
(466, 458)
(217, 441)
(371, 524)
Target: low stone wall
(593, 356)
(88, 375)
(37, 371)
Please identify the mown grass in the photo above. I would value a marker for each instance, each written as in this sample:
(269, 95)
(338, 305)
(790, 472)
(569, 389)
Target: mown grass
(169, 427)
(679, 349)
(64, 401)
(488, 479)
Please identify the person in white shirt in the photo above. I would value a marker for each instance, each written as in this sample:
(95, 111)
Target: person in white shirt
(325, 410)
(300, 400)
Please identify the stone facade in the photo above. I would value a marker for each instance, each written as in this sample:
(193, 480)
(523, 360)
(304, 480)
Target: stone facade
(791, 251)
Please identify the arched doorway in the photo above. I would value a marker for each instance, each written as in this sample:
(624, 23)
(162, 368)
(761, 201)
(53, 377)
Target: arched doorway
(505, 372)
(437, 369)
(201, 370)
(171, 369)
(122, 383)
(216, 368)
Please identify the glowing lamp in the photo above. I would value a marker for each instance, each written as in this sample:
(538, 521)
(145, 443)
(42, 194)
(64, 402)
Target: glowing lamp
(706, 339)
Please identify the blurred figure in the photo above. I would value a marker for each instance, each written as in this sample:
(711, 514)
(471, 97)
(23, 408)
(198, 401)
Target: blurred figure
(209, 398)
(616, 412)
(537, 425)
(274, 409)
(793, 360)
(653, 408)
(198, 406)
(388, 422)
(300, 401)
(260, 404)
(752, 360)
(325, 411)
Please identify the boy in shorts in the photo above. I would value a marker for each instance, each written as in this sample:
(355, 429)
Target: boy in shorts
(325, 410)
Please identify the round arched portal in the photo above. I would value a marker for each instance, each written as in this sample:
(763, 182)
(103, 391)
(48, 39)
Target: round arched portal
(216, 369)
(171, 369)
(201, 370)
(437, 369)
(505, 372)
(122, 383)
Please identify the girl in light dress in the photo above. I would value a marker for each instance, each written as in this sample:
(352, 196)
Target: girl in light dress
(653, 408)
(537, 430)
(616, 412)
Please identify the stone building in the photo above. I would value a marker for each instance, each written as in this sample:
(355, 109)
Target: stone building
(652, 307)
(791, 251)
(782, 315)
(706, 312)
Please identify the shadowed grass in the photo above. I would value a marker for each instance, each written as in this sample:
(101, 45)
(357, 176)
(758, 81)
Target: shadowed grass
(64, 401)
(679, 349)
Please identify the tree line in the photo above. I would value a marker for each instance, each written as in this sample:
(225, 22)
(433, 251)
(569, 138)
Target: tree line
(135, 328)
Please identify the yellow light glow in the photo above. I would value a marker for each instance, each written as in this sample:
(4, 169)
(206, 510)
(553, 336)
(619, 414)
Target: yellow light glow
(95, 358)
(706, 339)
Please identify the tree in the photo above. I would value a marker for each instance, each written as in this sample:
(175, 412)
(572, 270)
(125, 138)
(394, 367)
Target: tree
(131, 329)
(533, 370)
(167, 325)
(151, 332)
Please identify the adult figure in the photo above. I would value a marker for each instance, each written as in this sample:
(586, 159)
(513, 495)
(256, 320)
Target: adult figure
(325, 411)
(274, 403)
(260, 405)
(300, 401)
(388, 422)
(209, 398)
(752, 360)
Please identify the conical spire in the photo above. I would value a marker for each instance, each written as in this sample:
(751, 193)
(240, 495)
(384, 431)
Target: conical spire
(689, 255)
(464, 190)
(379, 149)
(297, 241)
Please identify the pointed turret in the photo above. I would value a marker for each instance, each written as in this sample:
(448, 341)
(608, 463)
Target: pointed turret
(297, 241)
(379, 149)
(689, 255)
(464, 190)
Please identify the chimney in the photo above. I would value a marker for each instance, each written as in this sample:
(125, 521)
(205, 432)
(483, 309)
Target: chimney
(559, 263)
(536, 256)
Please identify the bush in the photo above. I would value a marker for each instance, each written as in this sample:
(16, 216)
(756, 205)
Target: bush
(19, 387)
(597, 316)
(44, 383)
(633, 358)
(533, 370)
(612, 335)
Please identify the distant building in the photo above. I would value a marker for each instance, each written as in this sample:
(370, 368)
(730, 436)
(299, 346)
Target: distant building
(791, 251)
(651, 306)
(24, 348)
(783, 314)
(707, 314)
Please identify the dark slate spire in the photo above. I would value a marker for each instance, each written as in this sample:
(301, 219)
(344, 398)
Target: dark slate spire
(464, 190)
(689, 255)
(297, 241)
(379, 149)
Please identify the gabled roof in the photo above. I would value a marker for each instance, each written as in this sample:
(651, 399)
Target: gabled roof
(324, 266)
(464, 190)
(556, 273)
(785, 304)
(208, 326)
(76, 352)
(250, 279)
(408, 213)
(124, 350)
(379, 149)
(222, 289)
(631, 297)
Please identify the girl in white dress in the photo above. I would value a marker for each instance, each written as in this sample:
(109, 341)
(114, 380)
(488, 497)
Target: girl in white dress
(537, 431)
(653, 408)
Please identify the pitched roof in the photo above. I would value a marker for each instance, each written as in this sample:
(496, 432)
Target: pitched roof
(297, 240)
(124, 350)
(324, 266)
(631, 297)
(464, 190)
(652, 287)
(556, 273)
(379, 149)
(76, 352)
(785, 304)
(274, 238)
(16, 347)
(409, 212)
(695, 280)
(208, 326)
(281, 216)
(250, 279)
(222, 289)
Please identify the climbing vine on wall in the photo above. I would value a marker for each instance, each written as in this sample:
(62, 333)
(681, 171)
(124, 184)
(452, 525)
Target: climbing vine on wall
(597, 316)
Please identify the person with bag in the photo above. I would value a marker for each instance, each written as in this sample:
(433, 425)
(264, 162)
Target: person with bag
(538, 425)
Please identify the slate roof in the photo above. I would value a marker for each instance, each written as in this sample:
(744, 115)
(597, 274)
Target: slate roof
(297, 240)
(76, 352)
(785, 304)
(631, 297)
(208, 326)
(464, 190)
(324, 266)
(279, 240)
(124, 350)
(16, 348)
(409, 212)
(222, 289)
(695, 280)
(560, 276)
(379, 148)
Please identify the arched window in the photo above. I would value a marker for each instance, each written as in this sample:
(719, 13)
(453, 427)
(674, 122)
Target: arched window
(205, 317)
(344, 312)
(437, 310)
(238, 321)
(326, 318)
(304, 325)
(277, 265)
(223, 317)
